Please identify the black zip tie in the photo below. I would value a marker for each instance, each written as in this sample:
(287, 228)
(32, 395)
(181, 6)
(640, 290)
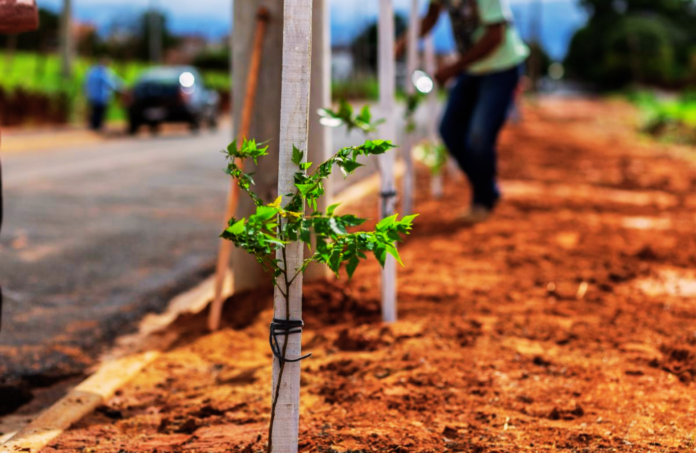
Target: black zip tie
(390, 194)
(283, 328)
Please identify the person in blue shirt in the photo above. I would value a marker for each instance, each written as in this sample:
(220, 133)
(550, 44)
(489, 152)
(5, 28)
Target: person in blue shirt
(101, 82)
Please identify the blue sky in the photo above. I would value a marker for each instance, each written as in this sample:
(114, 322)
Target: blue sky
(213, 17)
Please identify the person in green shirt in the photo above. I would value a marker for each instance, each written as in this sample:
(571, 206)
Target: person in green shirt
(486, 74)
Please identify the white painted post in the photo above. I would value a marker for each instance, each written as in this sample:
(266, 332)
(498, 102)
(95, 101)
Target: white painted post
(294, 119)
(320, 139)
(431, 68)
(388, 132)
(409, 179)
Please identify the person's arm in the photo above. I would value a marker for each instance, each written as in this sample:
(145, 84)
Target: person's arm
(114, 81)
(495, 15)
(490, 41)
(427, 24)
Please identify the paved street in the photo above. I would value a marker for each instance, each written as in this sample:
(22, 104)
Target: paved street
(99, 233)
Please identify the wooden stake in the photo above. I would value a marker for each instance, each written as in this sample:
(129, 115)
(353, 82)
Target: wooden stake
(431, 69)
(320, 139)
(223, 261)
(407, 150)
(294, 121)
(386, 161)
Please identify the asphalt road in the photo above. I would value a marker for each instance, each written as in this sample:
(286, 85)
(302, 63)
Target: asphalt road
(96, 235)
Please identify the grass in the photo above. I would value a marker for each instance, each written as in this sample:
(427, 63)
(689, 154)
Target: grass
(670, 118)
(38, 73)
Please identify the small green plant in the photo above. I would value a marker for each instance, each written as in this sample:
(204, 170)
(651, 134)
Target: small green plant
(266, 233)
(346, 116)
(432, 155)
(413, 101)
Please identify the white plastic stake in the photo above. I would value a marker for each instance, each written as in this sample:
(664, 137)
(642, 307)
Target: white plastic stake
(387, 132)
(431, 69)
(294, 120)
(412, 66)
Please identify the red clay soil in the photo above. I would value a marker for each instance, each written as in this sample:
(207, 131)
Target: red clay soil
(565, 323)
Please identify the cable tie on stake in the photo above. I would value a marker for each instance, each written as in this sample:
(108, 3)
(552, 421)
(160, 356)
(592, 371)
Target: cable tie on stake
(390, 194)
(283, 328)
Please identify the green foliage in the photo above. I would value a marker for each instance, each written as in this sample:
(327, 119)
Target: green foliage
(345, 116)
(364, 46)
(635, 41)
(363, 88)
(40, 73)
(432, 155)
(216, 60)
(672, 119)
(274, 225)
(413, 101)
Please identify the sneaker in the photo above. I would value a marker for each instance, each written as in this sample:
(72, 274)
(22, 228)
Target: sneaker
(477, 214)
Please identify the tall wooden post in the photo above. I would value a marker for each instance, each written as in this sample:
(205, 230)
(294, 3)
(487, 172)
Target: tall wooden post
(294, 121)
(320, 140)
(388, 132)
(431, 67)
(265, 126)
(407, 149)
(67, 44)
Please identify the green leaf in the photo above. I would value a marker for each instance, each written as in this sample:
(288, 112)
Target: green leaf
(305, 188)
(237, 228)
(264, 213)
(350, 166)
(352, 265)
(297, 155)
(331, 209)
(380, 252)
(394, 252)
(386, 222)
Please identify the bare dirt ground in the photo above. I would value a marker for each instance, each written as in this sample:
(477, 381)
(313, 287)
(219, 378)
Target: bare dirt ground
(566, 323)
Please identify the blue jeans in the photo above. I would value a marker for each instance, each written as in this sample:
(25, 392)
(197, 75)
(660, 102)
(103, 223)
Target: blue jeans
(477, 109)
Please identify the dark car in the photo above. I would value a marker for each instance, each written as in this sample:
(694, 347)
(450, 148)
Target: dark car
(172, 95)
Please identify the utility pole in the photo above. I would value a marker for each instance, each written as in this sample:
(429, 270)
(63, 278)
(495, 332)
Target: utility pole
(67, 43)
(155, 33)
(387, 161)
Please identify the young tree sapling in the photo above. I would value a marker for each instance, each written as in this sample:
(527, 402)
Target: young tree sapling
(266, 233)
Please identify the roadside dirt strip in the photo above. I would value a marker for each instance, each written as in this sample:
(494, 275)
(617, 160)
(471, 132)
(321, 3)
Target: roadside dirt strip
(566, 322)
(135, 352)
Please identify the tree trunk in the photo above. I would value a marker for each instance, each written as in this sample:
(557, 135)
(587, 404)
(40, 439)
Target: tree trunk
(388, 132)
(155, 34)
(265, 124)
(294, 120)
(67, 44)
(407, 150)
(320, 140)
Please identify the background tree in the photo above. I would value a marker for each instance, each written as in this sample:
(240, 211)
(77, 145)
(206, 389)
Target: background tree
(635, 41)
(364, 46)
